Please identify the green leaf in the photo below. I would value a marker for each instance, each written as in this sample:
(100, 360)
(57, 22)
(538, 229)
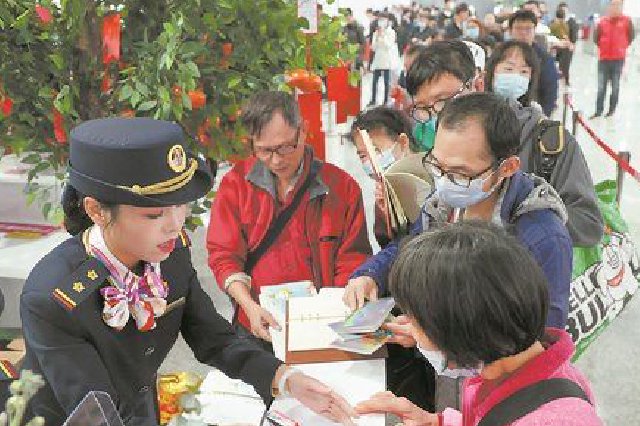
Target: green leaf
(146, 106)
(234, 81)
(46, 209)
(125, 92)
(135, 98)
(32, 159)
(57, 60)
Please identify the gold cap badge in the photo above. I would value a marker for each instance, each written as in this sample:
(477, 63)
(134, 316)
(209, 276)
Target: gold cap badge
(177, 159)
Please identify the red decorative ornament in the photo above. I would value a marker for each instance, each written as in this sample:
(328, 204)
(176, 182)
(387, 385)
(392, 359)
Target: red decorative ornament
(111, 38)
(7, 105)
(227, 49)
(44, 14)
(198, 98)
(337, 83)
(58, 127)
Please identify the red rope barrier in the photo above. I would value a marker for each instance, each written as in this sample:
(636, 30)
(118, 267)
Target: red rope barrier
(602, 144)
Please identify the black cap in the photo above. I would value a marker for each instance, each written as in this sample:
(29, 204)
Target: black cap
(136, 161)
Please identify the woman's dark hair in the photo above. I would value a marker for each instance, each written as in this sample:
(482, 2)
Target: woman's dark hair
(500, 53)
(496, 117)
(392, 121)
(474, 290)
(76, 219)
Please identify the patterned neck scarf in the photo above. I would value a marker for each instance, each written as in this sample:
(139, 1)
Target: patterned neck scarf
(142, 297)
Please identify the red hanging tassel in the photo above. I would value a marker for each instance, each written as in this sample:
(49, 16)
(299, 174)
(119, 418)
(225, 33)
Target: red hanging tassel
(111, 38)
(58, 127)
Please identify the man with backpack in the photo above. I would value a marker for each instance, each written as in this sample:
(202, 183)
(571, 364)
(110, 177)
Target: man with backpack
(446, 70)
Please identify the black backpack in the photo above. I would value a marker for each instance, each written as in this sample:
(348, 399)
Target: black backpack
(549, 137)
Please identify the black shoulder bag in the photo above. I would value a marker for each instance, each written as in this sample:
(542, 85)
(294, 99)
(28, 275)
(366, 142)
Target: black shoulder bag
(529, 399)
(276, 228)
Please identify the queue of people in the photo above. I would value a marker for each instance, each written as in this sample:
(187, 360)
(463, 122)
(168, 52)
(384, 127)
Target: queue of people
(482, 278)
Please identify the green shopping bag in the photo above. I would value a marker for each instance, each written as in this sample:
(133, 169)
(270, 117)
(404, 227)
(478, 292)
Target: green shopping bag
(605, 276)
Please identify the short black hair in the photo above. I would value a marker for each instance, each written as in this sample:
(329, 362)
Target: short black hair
(497, 118)
(490, 306)
(560, 14)
(530, 58)
(563, 4)
(462, 7)
(439, 58)
(262, 106)
(415, 49)
(535, 3)
(391, 120)
(523, 15)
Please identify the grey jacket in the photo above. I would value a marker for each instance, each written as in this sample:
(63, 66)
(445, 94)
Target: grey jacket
(570, 178)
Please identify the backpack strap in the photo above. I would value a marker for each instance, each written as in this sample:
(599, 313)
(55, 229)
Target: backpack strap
(549, 142)
(529, 399)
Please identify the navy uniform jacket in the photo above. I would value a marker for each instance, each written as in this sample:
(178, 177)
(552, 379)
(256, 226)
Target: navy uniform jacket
(77, 352)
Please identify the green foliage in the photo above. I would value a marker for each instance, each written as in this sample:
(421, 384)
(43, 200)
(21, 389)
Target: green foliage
(168, 49)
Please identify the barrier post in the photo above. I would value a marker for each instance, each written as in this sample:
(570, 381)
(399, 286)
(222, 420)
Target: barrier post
(625, 155)
(574, 128)
(565, 108)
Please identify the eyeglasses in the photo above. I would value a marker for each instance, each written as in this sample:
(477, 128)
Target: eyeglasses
(424, 113)
(265, 153)
(432, 165)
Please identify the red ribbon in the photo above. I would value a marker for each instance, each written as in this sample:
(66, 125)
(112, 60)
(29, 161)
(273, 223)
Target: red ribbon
(111, 38)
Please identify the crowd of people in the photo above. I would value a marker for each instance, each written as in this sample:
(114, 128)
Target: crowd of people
(481, 278)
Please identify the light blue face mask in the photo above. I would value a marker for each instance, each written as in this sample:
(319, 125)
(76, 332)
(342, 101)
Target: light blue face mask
(386, 157)
(511, 86)
(461, 197)
(472, 32)
(439, 364)
(368, 169)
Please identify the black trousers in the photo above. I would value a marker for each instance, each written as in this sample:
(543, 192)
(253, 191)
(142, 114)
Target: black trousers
(376, 77)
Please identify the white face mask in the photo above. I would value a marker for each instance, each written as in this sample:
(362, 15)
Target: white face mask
(439, 364)
(382, 23)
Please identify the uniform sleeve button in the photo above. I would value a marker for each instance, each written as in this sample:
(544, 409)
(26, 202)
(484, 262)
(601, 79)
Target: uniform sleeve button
(144, 389)
(149, 351)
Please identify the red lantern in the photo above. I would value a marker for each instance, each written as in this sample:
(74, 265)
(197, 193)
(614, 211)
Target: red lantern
(111, 38)
(227, 49)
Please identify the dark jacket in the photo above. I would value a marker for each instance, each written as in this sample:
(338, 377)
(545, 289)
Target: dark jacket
(76, 352)
(570, 178)
(548, 82)
(532, 211)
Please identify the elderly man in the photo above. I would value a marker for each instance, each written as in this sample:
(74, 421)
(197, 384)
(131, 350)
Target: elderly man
(282, 215)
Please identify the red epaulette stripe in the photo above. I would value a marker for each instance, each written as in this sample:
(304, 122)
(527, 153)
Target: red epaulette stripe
(64, 299)
(8, 369)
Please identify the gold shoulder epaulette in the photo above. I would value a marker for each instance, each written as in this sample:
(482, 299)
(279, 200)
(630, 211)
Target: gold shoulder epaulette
(83, 282)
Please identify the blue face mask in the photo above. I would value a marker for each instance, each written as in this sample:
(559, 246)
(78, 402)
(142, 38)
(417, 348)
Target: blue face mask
(511, 86)
(461, 197)
(473, 32)
(386, 157)
(439, 364)
(368, 169)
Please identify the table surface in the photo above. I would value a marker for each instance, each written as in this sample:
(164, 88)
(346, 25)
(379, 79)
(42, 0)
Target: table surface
(19, 256)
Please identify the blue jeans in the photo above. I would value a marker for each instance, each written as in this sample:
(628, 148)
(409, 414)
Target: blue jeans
(608, 71)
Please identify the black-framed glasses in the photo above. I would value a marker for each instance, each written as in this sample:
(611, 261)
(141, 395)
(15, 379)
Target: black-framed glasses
(424, 113)
(264, 152)
(432, 165)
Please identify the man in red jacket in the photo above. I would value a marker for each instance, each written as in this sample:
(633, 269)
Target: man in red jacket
(324, 240)
(613, 35)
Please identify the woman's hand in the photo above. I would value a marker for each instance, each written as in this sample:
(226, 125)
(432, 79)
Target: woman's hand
(401, 329)
(407, 411)
(320, 398)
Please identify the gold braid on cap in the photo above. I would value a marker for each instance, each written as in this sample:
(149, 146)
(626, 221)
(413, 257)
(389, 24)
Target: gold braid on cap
(170, 185)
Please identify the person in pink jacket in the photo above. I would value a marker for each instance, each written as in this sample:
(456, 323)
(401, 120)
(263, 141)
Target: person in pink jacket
(475, 304)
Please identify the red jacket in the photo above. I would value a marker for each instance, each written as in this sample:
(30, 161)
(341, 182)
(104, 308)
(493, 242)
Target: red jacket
(324, 242)
(613, 36)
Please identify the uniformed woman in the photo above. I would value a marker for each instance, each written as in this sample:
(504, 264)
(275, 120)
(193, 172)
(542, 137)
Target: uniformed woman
(103, 309)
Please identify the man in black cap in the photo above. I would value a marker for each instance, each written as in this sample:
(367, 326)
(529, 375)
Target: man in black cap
(103, 309)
